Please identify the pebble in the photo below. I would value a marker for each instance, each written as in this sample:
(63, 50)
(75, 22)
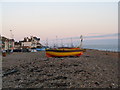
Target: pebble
(79, 72)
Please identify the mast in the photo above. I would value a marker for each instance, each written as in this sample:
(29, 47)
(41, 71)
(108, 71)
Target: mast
(11, 34)
(47, 42)
(71, 42)
(56, 42)
(61, 43)
(12, 38)
(81, 40)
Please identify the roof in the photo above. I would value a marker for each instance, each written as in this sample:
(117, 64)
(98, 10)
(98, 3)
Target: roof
(17, 43)
(6, 39)
(36, 38)
(26, 39)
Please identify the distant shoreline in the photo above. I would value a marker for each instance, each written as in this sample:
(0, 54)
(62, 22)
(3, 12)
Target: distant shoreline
(103, 50)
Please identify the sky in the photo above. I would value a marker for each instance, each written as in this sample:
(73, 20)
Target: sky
(62, 19)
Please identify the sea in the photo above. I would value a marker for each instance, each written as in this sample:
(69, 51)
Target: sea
(102, 44)
(106, 47)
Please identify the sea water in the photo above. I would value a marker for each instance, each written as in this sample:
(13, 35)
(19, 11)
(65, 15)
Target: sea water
(112, 47)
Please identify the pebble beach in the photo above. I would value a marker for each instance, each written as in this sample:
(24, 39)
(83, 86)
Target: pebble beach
(93, 69)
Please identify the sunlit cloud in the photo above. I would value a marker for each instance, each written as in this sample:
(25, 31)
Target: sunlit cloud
(106, 36)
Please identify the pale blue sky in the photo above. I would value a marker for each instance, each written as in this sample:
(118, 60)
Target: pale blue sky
(63, 19)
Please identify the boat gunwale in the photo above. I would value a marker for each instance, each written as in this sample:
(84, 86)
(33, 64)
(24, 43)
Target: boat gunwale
(64, 50)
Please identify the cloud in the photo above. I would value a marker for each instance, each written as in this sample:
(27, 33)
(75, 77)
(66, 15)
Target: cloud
(95, 36)
(106, 35)
(86, 37)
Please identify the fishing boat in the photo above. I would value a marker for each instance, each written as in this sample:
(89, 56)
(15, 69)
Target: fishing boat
(64, 51)
(40, 49)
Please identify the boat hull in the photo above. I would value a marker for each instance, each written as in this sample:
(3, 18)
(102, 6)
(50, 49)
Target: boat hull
(63, 52)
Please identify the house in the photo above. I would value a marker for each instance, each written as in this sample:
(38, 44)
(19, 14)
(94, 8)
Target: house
(32, 42)
(17, 45)
(7, 44)
(10, 44)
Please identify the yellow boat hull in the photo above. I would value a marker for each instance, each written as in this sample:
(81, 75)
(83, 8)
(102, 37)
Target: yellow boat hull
(63, 52)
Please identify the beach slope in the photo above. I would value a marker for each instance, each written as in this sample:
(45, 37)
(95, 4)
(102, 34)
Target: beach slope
(93, 69)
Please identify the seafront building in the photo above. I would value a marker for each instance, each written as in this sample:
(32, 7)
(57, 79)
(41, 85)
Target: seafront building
(7, 44)
(32, 42)
(18, 45)
(28, 43)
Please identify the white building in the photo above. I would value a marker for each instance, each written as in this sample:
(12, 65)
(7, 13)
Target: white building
(7, 44)
(32, 42)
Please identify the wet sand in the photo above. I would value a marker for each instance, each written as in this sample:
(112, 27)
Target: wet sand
(93, 69)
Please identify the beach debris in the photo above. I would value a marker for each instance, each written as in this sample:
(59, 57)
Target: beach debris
(97, 83)
(111, 85)
(10, 72)
(4, 54)
(75, 65)
(78, 71)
